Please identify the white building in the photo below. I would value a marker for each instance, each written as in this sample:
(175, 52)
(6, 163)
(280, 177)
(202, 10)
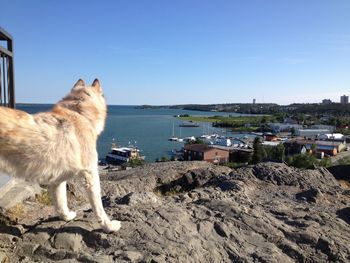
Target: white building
(332, 137)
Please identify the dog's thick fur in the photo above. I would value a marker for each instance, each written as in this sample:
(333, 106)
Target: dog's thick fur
(53, 147)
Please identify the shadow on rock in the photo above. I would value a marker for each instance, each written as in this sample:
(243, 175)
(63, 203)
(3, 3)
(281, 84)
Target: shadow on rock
(189, 181)
(311, 195)
(344, 214)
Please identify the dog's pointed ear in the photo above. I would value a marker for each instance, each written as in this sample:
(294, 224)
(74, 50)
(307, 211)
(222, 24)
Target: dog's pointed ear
(96, 85)
(80, 83)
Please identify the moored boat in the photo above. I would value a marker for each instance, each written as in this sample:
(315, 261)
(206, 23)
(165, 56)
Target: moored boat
(120, 155)
(189, 124)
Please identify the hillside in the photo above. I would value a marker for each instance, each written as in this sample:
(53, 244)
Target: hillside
(194, 212)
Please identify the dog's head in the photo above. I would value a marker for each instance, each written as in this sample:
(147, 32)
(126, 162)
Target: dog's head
(88, 101)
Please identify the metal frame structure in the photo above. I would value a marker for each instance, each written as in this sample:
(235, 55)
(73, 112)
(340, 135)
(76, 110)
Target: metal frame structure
(7, 76)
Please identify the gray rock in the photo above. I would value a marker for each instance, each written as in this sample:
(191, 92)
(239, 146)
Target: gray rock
(195, 212)
(68, 241)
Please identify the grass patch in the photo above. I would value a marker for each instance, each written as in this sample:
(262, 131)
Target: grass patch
(345, 184)
(233, 165)
(43, 198)
(166, 190)
(232, 121)
(16, 212)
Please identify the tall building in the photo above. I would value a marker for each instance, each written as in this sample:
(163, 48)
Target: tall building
(254, 101)
(344, 99)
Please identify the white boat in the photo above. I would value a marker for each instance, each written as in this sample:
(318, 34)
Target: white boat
(120, 155)
(205, 134)
(173, 138)
(189, 139)
(214, 135)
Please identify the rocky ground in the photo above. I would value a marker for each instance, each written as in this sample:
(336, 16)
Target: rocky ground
(193, 212)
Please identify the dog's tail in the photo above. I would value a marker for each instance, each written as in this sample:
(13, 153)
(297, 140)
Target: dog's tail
(16, 128)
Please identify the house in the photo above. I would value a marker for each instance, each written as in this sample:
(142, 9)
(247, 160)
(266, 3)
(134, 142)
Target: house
(203, 152)
(237, 153)
(295, 146)
(270, 137)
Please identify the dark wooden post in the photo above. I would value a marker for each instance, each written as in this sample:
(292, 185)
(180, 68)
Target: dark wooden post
(7, 74)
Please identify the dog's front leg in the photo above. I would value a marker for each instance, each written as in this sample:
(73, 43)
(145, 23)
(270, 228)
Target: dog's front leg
(94, 194)
(59, 199)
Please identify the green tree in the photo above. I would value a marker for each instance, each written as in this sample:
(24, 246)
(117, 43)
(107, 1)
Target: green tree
(196, 141)
(280, 152)
(258, 154)
(306, 161)
(313, 148)
(292, 130)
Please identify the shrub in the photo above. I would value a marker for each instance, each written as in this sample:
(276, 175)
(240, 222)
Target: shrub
(306, 161)
(16, 212)
(134, 163)
(234, 165)
(43, 198)
(258, 154)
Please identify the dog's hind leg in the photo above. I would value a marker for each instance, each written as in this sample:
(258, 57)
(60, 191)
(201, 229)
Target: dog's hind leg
(94, 194)
(59, 199)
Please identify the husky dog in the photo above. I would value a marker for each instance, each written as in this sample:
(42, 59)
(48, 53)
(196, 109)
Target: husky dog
(52, 147)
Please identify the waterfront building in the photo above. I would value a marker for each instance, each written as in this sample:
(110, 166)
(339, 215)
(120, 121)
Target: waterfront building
(203, 152)
(344, 99)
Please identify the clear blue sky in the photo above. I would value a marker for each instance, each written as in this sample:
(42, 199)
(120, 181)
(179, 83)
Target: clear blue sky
(183, 51)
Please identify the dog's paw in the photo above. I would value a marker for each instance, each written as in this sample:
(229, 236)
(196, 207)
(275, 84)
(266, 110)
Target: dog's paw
(69, 216)
(111, 226)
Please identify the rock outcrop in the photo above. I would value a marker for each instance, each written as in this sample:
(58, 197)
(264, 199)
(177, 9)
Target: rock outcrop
(193, 212)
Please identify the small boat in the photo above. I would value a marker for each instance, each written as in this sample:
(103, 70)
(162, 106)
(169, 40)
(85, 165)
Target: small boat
(189, 139)
(214, 135)
(173, 138)
(120, 155)
(189, 124)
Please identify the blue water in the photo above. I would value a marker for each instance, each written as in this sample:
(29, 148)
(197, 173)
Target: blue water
(149, 128)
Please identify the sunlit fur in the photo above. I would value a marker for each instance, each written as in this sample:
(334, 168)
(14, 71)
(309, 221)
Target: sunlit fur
(52, 147)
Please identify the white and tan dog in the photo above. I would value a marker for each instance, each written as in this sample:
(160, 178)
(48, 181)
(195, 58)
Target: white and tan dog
(53, 147)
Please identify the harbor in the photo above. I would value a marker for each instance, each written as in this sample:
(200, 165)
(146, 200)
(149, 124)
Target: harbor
(147, 129)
